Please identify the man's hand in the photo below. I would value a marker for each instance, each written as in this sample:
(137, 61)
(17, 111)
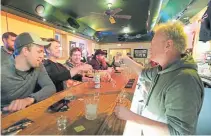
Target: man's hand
(86, 67)
(105, 76)
(123, 113)
(80, 69)
(69, 83)
(126, 60)
(19, 104)
(137, 68)
(103, 61)
(110, 70)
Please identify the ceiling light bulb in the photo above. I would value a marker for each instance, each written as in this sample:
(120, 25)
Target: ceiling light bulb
(126, 30)
(44, 19)
(109, 5)
(110, 1)
(174, 20)
(40, 9)
(73, 31)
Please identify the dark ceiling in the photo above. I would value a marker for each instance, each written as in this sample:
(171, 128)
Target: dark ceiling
(144, 15)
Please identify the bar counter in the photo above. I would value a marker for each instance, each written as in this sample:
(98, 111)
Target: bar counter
(44, 123)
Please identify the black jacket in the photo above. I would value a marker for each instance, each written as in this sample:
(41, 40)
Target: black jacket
(97, 66)
(58, 73)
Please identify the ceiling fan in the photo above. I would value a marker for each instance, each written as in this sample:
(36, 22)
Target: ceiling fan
(112, 13)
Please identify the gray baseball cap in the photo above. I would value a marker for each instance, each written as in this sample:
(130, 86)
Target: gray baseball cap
(26, 38)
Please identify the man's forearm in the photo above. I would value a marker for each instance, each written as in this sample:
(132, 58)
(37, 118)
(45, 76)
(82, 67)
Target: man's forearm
(60, 76)
(76, 70)
(135, 66)
(44, 93)
(150, 127)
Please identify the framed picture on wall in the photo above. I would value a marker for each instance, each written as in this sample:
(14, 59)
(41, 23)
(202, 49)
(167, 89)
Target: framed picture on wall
(72, 44)
(140, 53)
(82, 46)
(84, 50)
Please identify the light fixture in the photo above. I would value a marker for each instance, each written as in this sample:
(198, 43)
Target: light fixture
(119, 45)
(126, 30)
(44, 19)
(186, 18)
(110, 1)
(73, 31)
(174, 20)
(40, 9)
(109, 5)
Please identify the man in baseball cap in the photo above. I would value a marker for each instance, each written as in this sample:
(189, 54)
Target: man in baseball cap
(23, 71)
(98, 61)
(25, 42)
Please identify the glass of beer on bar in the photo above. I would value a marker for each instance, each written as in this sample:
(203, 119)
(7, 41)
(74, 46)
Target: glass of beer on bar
(91, 107)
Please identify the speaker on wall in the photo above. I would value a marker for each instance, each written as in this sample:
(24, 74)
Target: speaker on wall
(73, 23)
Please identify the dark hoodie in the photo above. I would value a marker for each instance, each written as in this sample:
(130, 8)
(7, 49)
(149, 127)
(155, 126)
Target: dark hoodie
(175, 96)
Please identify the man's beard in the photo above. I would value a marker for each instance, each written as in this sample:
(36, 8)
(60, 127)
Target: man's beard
(33, 65)
(10, 48)
(36, 65)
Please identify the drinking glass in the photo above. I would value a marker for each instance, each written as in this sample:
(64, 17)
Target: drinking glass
(113, 82)
(97, 96)
(91, 107)
(121, 96)
(125, 72)
(62, 122)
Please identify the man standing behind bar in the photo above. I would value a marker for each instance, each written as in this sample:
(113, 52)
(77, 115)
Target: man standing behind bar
(8, 39)
(23, 71)
(176, 95)
(98, 61)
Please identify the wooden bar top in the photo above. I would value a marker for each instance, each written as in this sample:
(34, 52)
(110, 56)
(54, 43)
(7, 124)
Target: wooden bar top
(45, 122)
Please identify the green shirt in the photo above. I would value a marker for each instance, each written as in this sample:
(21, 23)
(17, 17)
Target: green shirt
(175, 96)
(5, 56)
(16, 84)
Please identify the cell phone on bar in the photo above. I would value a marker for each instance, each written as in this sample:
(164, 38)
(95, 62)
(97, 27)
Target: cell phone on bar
(56, 107)
(17, 127)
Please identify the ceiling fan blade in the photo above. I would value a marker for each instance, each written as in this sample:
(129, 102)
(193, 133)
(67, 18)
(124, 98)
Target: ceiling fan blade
(115, 11)
(123, 16)
(99, 14)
